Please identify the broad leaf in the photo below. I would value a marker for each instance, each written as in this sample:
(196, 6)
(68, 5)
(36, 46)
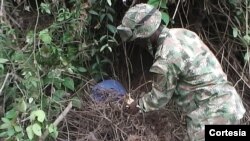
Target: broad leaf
(22, 106)
(235, 32)
(247, 39)
(110, 17)
(111, 28)
(18, 128)
(45, 8)
(93, 12)
(40, 114)
(36, 128)
(165, 17)
(69, 83)
(247, 56)
(76, 102)
(11, 114)
(2, 60)
(30, 132)
(82, 69)
(11, 132)
(5, 126)
(154, 2)
(44, 36)
(109, 2)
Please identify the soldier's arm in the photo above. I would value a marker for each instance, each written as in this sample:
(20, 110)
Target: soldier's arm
(165, 77)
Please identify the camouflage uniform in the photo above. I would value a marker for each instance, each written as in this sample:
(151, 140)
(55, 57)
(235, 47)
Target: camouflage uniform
(185, 69)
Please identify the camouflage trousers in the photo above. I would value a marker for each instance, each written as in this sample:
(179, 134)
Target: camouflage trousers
(224, 112)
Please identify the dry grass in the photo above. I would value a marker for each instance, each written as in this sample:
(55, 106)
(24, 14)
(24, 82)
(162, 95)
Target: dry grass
(107, 121)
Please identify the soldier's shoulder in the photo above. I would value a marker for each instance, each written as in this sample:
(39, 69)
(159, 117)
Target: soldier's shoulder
(183, 32)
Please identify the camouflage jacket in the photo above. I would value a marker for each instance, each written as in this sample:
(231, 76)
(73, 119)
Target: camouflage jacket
(184, 68)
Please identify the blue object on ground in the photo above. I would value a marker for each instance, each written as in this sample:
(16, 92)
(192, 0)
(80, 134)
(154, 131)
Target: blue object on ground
(108, 89)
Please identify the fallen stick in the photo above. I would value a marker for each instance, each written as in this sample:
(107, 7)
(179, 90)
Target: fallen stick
(4, 82)
(57, 121)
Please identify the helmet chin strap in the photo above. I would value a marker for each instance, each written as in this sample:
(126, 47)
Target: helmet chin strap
(152, 45)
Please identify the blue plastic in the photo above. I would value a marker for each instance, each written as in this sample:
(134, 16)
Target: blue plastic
(108, 89)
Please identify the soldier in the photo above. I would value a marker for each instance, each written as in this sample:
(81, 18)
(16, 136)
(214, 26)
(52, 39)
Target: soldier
(185, 68)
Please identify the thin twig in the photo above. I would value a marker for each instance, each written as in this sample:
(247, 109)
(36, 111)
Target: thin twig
(247, 17)
(141, 86)
(176, 9)
(1, 9)
(4, 82)
(57, 121)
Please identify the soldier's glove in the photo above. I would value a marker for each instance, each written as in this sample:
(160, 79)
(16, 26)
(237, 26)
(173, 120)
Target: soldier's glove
(131, 107)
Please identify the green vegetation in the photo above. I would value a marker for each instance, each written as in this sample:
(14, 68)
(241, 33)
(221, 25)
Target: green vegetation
(45, 67)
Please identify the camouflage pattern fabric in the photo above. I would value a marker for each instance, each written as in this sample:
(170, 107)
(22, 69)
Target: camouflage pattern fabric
(131, 28)
(187, 71)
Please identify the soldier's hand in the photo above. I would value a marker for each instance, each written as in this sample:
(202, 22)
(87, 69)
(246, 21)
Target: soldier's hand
(131, 108)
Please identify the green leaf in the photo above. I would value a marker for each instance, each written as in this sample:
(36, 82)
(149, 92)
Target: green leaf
(165, 17)
(111, 28)
(51, 128)
(110, 49)
(11, 114)
(154, 2)
(234, 2)
(1, 67)
(102, 17)
(18, 56)
(103, 37)
(93, 12)
(103, 47)
(44, 36)
(22, 106)
(110, 17)
(5, 126)
(109, 2)
(58, 95)
(69, 83)
(82, 69)
(45, 8)
(40, 114)
(30, 100)
(5, 120)
(54, 134)
(2, 60)
(235, 32)
(76, 102)
(30, 37)
(30, 132)
(18, 128)
(163, 4)
(247, 56)
(36, 128)
(11, 132)
(247, 39)
(3, 134)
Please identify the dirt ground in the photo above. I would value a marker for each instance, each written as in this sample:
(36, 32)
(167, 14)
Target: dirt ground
(107, 122)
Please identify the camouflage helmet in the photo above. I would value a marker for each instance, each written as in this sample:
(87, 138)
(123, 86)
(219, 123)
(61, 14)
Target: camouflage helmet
(140, 21)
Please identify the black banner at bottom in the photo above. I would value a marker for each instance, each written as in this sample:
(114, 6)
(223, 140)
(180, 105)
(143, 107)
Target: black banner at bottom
(220, 132)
